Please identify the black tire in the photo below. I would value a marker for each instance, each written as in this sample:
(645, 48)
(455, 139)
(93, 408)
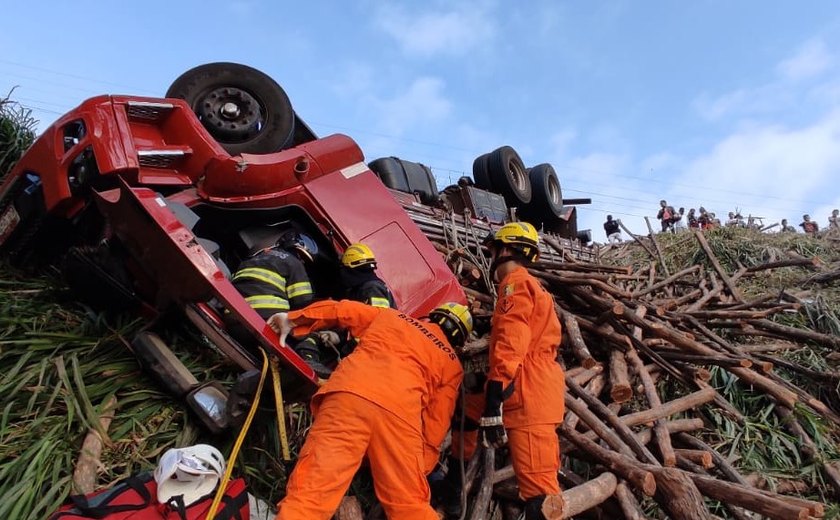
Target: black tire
(509, 176)
(260, 118)
(480, 174)
(547, 197)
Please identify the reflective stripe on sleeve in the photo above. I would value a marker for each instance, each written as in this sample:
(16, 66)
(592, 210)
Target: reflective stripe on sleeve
(263, 275)
(264, 301)
(299, 289)
(376, 301)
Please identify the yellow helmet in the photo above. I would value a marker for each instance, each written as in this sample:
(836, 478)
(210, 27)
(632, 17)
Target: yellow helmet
(520, 236)
(455, 320)
(358, 255)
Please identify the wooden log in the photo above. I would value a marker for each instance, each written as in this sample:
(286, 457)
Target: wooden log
(667, 281)
(679, 339)
(85, 472)
(583, 267)
(620, 390)
(349, 509)
(712, 293)
(594, 387)
(578, 346)
(749, 498)
(792, 262)
(638, 241)
(676, 426)
(720, 361)
(479, 296)
(678, 495)
(808, 447)
(669, 408)
(597, 427)
(481, 504)
(722, 464)
(675, 303)
(800, 334)
(620, 464)
(561, 281)
(663, 437)
(588, 495)
(586, 375)
(656, 247)
(701, 457)
(613, 421)
(716, 264)
(628, 503)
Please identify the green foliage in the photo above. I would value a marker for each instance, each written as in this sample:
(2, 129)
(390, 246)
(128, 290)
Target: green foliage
(62, 363)
(17, 132)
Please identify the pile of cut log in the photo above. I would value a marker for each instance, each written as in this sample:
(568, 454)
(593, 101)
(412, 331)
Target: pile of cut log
(624, 331)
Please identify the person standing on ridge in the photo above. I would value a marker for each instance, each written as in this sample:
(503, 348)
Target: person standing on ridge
(612, 229)
(809, 226)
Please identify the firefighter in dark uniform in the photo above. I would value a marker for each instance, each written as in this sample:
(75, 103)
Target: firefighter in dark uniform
(274, 279)
(360, 280)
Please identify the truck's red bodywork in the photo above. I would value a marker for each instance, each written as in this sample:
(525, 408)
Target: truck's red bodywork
(152, 153)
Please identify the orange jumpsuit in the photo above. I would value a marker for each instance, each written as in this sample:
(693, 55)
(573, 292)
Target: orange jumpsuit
(524, 339)
(390, 400)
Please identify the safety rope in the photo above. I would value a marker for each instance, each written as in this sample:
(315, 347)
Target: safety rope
(281, 417)
(211, 513)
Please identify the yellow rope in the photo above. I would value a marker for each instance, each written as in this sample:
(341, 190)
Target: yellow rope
(281, 417)
(211, 513)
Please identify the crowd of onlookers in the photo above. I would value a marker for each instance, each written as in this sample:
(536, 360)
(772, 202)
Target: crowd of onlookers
(674, 221)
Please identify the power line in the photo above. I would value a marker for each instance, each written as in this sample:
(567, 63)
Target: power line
(425, 143)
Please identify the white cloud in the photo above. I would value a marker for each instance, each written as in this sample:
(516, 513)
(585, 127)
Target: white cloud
(423, 102)
(812, 59)
(810, 62)
(426, 34)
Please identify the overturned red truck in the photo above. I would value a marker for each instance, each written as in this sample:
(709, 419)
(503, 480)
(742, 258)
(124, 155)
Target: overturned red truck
(151, 203)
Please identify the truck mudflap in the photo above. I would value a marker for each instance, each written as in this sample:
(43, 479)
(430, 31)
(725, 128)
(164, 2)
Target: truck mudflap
(184, 273)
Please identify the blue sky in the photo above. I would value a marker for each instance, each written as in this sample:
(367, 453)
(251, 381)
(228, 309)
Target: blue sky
(715, 103)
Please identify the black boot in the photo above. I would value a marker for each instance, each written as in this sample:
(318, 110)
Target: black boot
(449, 490)
(311, 354)
(545, 507)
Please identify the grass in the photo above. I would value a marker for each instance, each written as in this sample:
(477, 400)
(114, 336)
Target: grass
(61, 363)
(17, 132)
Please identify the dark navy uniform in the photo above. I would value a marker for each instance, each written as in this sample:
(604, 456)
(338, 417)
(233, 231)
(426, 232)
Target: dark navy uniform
(364, 286)
(273, 281)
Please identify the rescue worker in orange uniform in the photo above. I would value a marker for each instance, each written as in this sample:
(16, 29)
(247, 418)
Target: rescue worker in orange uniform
(390, 400)
(358, 277)
(524, 398)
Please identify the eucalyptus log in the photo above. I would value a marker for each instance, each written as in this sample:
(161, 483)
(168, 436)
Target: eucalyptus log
(588, 495)
(716, 264)
(613, 420)
(667, 281)
(669, 408)
(700, 457)
(620, 464)
(481, 503)
(678, 495)
(773, 507)
(663, 437)
(628, 503)
(349, 509)
(620, 390)
(578, 346)
(87, 465)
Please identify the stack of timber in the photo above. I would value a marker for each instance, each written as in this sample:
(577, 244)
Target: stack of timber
(651, 355)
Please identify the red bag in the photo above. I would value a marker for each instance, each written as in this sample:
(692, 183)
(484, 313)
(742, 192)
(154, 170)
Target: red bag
(135, 498)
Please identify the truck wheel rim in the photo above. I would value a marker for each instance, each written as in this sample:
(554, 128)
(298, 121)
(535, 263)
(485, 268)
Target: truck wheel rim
(230, 114)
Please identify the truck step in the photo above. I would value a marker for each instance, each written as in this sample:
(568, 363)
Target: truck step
(148, 111)
(163, 158)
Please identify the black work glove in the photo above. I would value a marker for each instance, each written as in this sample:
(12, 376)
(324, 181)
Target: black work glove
(491, 428)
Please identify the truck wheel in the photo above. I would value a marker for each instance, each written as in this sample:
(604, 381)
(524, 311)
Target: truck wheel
(547, 200)
(243, 109)
(508, 176)
(480, 174)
